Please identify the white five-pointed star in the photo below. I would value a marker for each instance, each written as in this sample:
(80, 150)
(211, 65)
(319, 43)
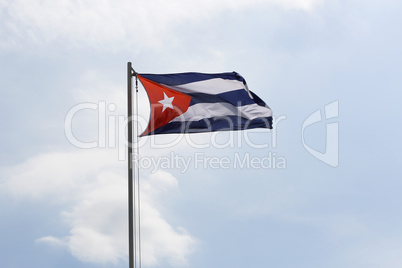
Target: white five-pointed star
(167, 102)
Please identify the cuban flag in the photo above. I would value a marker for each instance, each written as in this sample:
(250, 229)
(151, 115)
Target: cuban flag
(198, 102)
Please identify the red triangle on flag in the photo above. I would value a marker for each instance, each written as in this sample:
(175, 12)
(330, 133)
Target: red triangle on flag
(166, 104)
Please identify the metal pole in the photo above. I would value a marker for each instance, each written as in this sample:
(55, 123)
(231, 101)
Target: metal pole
(130, 168)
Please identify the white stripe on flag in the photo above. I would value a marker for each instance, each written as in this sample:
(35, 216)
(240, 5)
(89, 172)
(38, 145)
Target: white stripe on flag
(207, 110)
(210, 86)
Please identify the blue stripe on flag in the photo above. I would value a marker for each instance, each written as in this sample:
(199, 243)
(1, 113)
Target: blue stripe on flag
(214, 124)
(185, 78)
(258, 100)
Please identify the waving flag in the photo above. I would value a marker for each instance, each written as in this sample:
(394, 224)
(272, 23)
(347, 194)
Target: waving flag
(197, 102)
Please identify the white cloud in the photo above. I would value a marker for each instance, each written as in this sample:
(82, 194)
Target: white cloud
(307, 5)
(94, 184)
(112, 24)
(55, 174)
(155, 228)
(53, 241)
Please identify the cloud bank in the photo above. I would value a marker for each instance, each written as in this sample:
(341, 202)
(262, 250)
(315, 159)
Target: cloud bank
(93, 185)
(112, 24)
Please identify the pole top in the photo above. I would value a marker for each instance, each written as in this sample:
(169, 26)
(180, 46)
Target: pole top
(129, 67)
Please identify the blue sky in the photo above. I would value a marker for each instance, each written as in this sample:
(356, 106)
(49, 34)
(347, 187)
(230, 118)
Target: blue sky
(65, 206)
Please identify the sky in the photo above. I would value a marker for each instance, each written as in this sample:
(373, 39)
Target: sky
(319, 190)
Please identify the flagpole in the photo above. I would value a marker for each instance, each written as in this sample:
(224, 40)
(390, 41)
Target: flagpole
(130, 167)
